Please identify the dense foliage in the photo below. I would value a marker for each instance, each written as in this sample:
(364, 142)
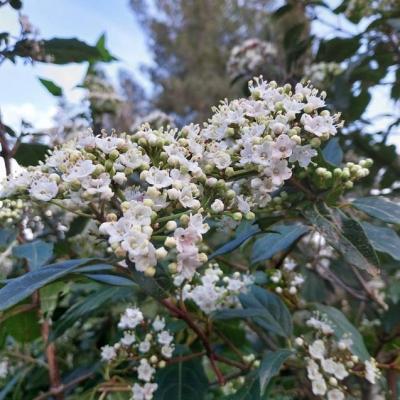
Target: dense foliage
(250, 255)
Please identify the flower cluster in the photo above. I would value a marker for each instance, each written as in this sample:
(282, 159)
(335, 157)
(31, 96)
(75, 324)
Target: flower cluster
(216, 290)
(250, 57)
(154, 189)
(287, 281)
(156, 119)
(330, 361)
(10, 211)
(148, 343)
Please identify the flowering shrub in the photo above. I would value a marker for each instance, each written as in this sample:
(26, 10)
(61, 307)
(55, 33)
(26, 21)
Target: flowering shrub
(157, 199)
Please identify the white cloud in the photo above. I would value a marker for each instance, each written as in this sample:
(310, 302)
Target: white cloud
(40, 118)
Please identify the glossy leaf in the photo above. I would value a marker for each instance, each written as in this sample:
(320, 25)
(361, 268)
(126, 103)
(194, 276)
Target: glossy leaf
(109, 279)
(334, 235)
(30, 153)
(54, 89)
(282, 237)
(270, 366)
(275, 318)
(36, 253)
(341, 327)
(380, 208)
(91, 305)
(20, 288)
(182, 381)
(245, 231)
(383, 239)
(332, 152)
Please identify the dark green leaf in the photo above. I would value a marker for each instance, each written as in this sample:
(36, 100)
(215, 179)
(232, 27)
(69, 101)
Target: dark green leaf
(64, 51)
(30, 153)
(334, 235)
(383, 239)
(76, 227)
(276, 317)
(54, 89)
(245, 231)
(343, 327)
(182, 381)
(109, 279)
(380, 208)
(249, 391)
(283, 236)
(338, 49)
(23, 327)
(36, 253)
(20, 288)
(101, 46)
(90, 305)
(270, 366)
(332, 152)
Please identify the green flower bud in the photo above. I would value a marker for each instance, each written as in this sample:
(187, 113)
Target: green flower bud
(114, 155)
(108, 165)
(315, 142)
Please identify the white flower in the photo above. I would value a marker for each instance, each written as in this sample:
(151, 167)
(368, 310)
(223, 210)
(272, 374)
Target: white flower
(109, 143)
(303, 155)
(3, 368)
(186, 198)
(43, 189)
(318, 125)
(128, 339)
(371, 371)
(217, 206)
(167, 350)
(312, 369)
(108, 353)
(158, 324)
(131, 318)
(335, 394)
(325, 328)
(144, 346)
(144, 392)
(282, 147)
(82, 169)
(319, 386)
(340, 371)
(120, 178)
(221, 159)
(279, 172)
(328, 365)
(164, 337)
(145, 370)
(317, 349)
(158, 178)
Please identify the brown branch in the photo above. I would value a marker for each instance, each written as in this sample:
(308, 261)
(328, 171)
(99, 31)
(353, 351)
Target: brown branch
(185, 316)
(54, 372)
(62, 388)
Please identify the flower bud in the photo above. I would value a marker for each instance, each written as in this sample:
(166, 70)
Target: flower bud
(111, 217)
(171, 226)
(184, 219)
(162, 364)
(113, 155)
(315, 142)
(250, 216)
(161, 253)
(299, 341)
(170, 242)
(108, 165)
(153, 359)
(148, 202)
(75, 185)
(150, 272)
(237, 216)
(172, 268)
(217, 206)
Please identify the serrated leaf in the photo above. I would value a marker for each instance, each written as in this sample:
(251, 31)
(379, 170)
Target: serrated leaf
(383, 239)
(379, 207)
(182, 381)
(270, 366)
(282, 237)
(20, 288)
(343, 327)
(36, 253)
(245, 231)
(334, 235)
(275, 318)
(332, 152)
(54, 89)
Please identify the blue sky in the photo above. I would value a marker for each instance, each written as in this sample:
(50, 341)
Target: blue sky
(21, 93)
